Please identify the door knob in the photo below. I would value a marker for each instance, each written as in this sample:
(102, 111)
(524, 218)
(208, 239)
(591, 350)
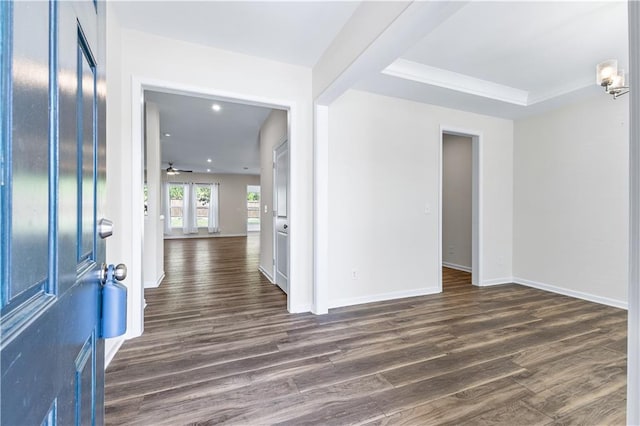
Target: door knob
(119, 272)
(286, 226)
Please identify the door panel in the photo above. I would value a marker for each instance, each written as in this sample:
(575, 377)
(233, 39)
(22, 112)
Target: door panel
(51, 180)
(281, 190)
(86, 153)
(28, 245)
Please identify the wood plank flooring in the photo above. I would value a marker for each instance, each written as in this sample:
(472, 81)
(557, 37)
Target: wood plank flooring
(219, 347)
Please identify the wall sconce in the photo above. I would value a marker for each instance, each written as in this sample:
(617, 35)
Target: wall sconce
(612, 79)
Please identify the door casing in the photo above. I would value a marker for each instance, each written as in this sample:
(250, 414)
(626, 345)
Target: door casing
(476, 214)
(135, 319)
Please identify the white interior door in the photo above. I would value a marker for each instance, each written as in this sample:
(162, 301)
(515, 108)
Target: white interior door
(281, 216)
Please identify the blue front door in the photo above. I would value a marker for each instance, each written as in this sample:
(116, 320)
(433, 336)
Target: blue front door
(52, 105)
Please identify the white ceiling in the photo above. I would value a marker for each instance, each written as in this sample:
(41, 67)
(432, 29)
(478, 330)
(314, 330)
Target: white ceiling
(289, 31)
(228, 137)
(508, 59)
(512, 42)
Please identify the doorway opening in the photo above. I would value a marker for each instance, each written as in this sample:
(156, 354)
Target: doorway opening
(224, 184)
(253, 208)
(460, 200)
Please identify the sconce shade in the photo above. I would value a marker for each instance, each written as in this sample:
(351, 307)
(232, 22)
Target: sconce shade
(618, 80)
(606, 71)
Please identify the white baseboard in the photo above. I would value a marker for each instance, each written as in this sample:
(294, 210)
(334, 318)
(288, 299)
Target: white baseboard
(496, 281)
(573, 293)
(382, 297)
(298, 309)
(266, 274)
(457, 267)
(111, 347)
(152, 284)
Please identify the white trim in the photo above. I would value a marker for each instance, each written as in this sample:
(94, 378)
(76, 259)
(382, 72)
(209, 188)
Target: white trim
(135, 294)
(113, 350)
(154, 284)
(135, 300)
(321, 211)
(477, 256)
(556, 92)
(382, 297)
(187, 236)
(572, 293)
(477, 182)
(633, 327)
(266, 274)
(298, 309)
(457, 267)
(496, 281)
(421, 73)
(439, 77)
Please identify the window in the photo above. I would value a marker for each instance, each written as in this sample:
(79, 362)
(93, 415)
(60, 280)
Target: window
(176, 195)
(200, 203)
(253, 208)
(203, 196)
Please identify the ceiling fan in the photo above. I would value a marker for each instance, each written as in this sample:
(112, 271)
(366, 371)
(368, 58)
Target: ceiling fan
(174, 171)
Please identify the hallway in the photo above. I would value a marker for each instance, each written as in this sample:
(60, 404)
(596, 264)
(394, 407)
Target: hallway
(219, 347)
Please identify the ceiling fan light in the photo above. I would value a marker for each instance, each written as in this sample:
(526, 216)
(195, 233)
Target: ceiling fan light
(606, 71)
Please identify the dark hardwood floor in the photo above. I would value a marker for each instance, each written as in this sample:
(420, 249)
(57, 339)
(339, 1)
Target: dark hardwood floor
(219, 347)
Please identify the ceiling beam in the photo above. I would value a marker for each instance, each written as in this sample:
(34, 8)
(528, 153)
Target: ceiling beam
(375, 36)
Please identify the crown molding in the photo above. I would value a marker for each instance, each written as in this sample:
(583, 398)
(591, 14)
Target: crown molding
(542, 96)
(426, 74)
(439, 77)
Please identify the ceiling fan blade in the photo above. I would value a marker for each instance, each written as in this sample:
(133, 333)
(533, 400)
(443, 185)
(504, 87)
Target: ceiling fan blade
(186, 171)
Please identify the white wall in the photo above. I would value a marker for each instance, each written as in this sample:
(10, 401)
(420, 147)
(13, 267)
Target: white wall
(272, 133)
(571, 199)
(232, 197)
(161, 62)
(114, 152)
(383, 174)
(456, 201)
(153, 249)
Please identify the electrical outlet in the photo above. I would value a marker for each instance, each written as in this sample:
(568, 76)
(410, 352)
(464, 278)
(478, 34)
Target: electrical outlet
(354, 274)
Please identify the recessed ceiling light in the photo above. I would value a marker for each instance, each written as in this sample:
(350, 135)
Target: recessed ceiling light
(216, 107)
(208, 160)
(168, 134)
(208, 170)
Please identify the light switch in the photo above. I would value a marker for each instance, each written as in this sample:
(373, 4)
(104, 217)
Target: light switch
(427, 209)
